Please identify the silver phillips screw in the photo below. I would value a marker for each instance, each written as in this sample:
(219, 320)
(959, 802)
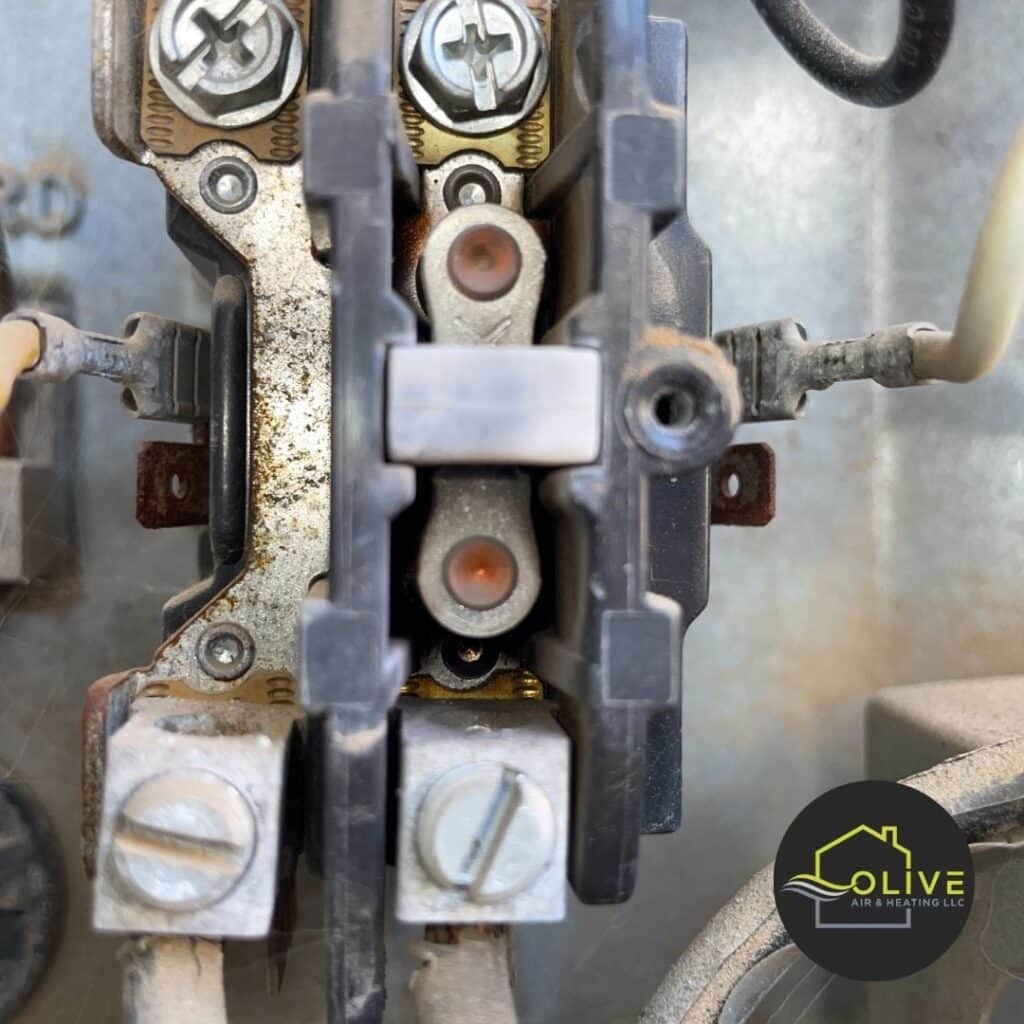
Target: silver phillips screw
(183, 840)
(475, 66)
(486, 829)
(226, 62)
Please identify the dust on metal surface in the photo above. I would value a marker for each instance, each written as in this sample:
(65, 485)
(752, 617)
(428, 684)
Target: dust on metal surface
(290, 419)
(172, 485)
(743, 486)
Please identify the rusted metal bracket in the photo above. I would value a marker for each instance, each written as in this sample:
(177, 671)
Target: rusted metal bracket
(743, 486)
(172, 485)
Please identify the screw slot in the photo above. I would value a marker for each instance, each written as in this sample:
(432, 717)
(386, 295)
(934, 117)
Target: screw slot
(486, 830)
(183, 840)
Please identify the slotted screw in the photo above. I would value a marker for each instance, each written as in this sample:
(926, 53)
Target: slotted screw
(486, 829)
(183, 840)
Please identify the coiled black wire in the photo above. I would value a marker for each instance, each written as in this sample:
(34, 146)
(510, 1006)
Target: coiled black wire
(925, 28)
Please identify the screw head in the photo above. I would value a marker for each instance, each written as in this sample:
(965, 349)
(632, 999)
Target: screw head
(225, 651)
(183, 840)
(228, 184)
(475, 66)
(486, 829)
(224, 62)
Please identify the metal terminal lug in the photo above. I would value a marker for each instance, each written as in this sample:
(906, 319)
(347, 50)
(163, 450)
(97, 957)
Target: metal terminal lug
(483, 817)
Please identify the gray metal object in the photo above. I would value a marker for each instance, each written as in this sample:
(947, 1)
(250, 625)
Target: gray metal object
(183, 840)
(162, 365)
(29, 519)
(483, 821)
(458, 318)
(192, 818)
(683, 409)
(983, 790)
(487, 830)
(527, 406)
(470, 505)
(228, 185)
(227, 63)
(777, 367)
(476, 67)
(910, 728)
(225, 651)
(440, 187)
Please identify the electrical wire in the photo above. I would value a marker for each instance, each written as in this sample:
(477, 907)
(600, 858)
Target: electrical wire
(994, 293)
(921, 41)
(19, 350)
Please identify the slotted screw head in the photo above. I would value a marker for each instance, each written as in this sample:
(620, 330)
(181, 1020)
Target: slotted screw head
(475, 66)
(183, 840)
(485, 829)
(227, 63)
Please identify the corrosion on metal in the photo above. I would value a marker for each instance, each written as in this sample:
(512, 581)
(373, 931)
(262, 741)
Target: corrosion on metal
(169, 132)
(172, 485)
(524, 146)
(743, 486)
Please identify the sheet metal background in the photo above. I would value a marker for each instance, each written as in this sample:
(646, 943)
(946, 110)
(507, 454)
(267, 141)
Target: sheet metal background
(895, 556)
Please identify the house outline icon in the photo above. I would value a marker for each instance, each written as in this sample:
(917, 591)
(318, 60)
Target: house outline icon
(887, 834)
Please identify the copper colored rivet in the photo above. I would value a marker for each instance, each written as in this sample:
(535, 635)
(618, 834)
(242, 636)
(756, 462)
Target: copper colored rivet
(480, 573)
(484, 262)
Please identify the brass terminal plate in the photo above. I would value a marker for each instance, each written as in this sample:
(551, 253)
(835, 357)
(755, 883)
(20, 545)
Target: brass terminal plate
(511, 684)
(520, 148)
(169, 132)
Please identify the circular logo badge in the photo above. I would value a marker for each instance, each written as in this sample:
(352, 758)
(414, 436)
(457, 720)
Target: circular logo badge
(874, 881)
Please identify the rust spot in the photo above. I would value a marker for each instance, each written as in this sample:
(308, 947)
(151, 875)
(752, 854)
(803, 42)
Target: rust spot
(743, 486)
(172, 485)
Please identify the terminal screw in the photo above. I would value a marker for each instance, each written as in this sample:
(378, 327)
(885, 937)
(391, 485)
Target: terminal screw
(183, 840)
(475, 66)
(486, 829)
(227, 63)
